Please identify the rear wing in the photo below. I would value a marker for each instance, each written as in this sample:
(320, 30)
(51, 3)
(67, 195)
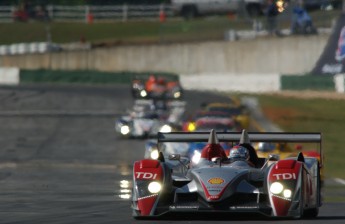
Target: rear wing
(288, 137)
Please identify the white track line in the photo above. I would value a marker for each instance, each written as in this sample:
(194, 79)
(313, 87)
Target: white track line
(340, 181)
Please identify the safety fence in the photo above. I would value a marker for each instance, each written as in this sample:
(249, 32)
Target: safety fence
(6, 13)
(87, 13)
(29, 48)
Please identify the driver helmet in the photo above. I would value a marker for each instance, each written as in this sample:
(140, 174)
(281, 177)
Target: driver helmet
(239, 152)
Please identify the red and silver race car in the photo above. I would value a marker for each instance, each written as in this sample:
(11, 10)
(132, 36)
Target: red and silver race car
(156, 87)
(287, 188)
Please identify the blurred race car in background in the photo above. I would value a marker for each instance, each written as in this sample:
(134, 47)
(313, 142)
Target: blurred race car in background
(148, 117)
(191, 150)
(151, 148)
(156, 87)
(238, 112)
(273, 187)
(204, 121)
(264, 149)
(207, 120)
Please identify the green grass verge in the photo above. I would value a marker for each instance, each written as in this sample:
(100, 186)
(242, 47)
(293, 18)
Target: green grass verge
(118, 32)
(312, 115)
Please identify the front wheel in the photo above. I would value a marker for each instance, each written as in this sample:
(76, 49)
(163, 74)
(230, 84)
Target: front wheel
(314, 212)
(311, 213)
(301, 203)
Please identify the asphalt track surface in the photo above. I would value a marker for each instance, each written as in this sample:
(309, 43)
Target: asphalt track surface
(61, 162)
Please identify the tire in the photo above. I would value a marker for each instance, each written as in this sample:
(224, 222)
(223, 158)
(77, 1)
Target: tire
(135, 214)
(135, 94)
(311, 213)
(314, 212)
(189, 12)
(301, 215)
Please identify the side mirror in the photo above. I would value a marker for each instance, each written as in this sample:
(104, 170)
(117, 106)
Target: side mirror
(271, 158)
(174, 157)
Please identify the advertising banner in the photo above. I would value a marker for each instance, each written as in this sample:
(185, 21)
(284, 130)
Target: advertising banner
(332, 60)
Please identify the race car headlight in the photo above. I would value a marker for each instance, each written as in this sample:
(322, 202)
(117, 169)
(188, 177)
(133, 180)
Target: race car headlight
(276, 188)
(177, 94)
(125, 130)
(154, 187)
(143, 93)
(196, 157)
(166, 128)
(154, 154)
(287, 193)
(191, 126)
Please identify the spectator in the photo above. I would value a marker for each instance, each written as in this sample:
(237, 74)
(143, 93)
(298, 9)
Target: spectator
(301, 21)
(21, 14)
(272, 13)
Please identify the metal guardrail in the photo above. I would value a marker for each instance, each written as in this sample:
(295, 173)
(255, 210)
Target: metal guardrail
(90, 13)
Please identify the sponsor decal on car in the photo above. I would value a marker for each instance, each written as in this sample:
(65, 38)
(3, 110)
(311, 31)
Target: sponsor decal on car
(184, 207)
(243, 207)
(145, 175)
(216, 180)
(285, 176)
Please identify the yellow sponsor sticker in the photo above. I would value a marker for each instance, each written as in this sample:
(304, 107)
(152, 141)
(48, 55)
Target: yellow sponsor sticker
(216, 180)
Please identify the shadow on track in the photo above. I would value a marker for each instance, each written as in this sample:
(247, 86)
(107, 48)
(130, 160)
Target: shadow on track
(207, 217)
(331, 218)
(230, 217)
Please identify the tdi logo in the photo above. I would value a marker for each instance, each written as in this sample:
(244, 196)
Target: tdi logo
(144, 175)
(285, 176)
